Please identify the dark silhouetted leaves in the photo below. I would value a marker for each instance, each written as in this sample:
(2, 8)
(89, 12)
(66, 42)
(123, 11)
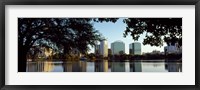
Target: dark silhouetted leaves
(157, 30)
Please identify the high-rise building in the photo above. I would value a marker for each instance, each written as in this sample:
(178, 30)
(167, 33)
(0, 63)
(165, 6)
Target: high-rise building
(104, 48)
(97, 49)
(109, 52)
(173, 49)
(135, 48)
(117, 48)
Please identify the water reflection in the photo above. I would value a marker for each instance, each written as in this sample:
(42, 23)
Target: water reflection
(135, 66)
(118, 67)
(103, 66)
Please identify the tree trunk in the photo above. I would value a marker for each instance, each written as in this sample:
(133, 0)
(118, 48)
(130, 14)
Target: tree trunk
(22, 59)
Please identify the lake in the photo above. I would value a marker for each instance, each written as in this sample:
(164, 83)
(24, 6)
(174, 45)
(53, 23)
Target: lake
(104, 66)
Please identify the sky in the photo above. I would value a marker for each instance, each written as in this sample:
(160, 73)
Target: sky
(114, 31)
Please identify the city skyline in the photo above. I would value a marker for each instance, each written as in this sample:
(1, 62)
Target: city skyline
(114, 32)
(117, 47)
(67, 40)
(135, 48)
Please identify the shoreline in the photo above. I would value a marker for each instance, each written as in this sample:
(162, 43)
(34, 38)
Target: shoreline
(112, 60)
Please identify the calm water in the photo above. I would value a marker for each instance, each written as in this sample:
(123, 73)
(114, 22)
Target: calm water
(104, 66)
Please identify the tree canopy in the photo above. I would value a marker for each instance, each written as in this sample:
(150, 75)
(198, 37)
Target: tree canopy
(63, 33)
(156, 30)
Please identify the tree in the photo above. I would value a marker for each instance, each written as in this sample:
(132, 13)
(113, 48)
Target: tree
(156, 30)
(63, 34)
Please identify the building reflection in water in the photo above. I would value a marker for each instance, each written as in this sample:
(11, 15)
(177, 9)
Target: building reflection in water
(153, 67)
(103, 66)
(76, 67)
(83, 65)
(118, 67)
(67, 66)
(57, 67)
(48, 66)
(73, 66)
(127, 67)
(41, 66)
(135, 67)
(98, 67)
(90, 67)
(173, 67)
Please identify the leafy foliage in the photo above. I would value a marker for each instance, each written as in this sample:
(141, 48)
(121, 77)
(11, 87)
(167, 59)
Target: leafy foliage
(156, 30)
(59, 33)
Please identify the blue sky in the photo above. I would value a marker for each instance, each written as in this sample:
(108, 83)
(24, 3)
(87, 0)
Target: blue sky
(114, 31)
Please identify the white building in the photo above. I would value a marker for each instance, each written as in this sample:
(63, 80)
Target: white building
(104, 48)
(117, 48)
(135, 48)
